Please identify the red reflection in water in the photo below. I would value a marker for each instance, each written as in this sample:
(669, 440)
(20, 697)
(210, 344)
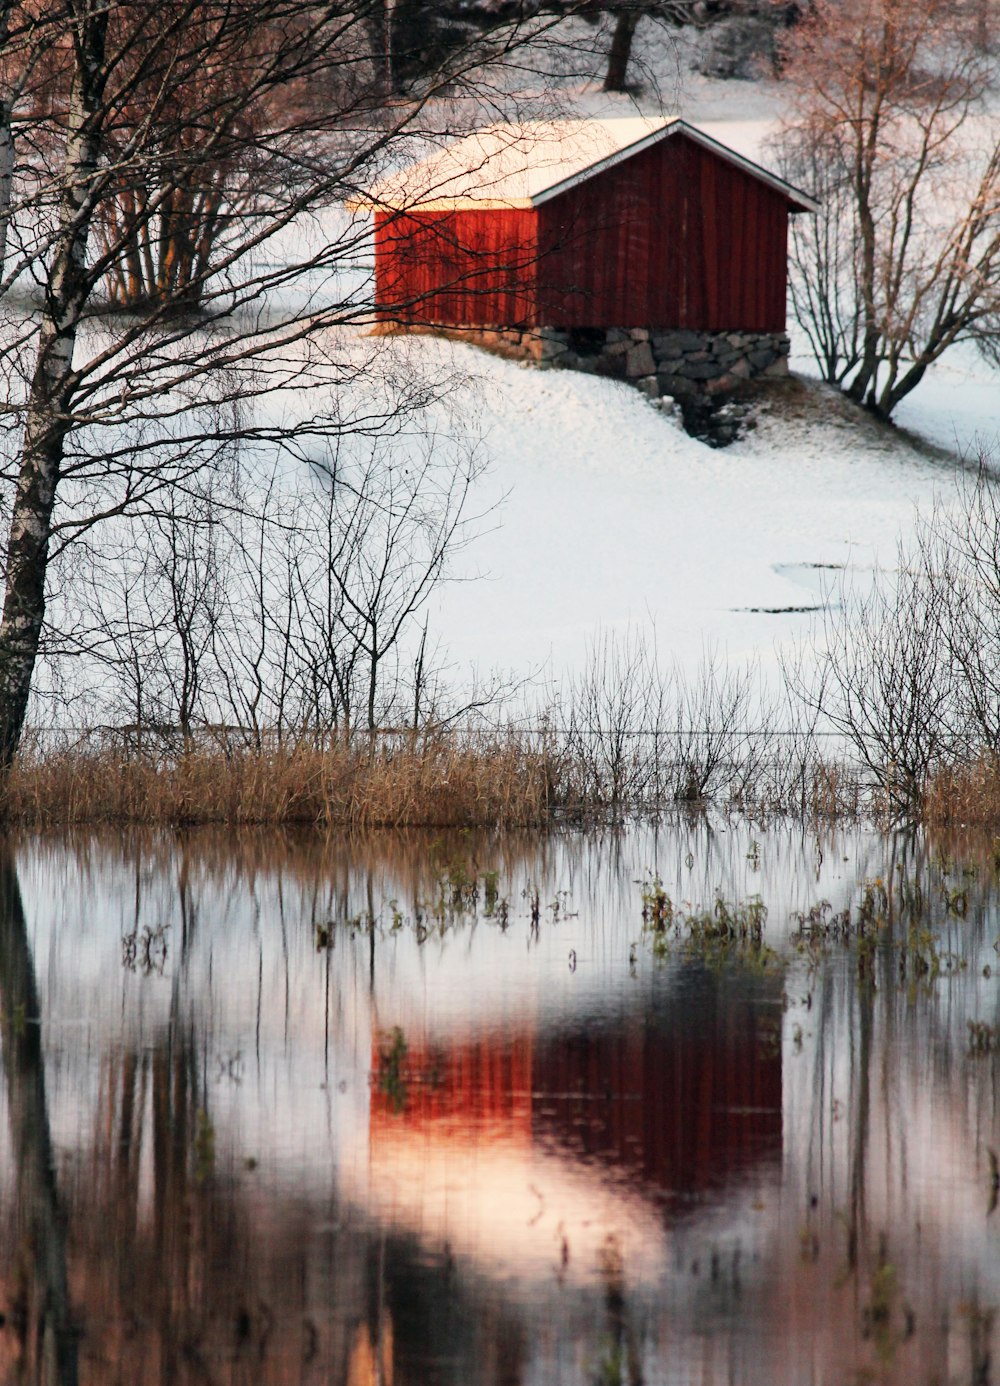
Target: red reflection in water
(478, 1086)
(685, 1100)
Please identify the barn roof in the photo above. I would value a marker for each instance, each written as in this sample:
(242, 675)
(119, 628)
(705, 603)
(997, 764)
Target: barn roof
(524, 164)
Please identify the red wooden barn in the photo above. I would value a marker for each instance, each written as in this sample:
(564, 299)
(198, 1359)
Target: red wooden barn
(620, 223)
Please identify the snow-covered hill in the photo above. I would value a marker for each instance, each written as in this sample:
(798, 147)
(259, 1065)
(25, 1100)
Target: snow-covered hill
(608, 514)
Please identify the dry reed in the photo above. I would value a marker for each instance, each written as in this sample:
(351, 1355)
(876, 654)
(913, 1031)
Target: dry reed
(963, 795)
(431, 782)
(441, 779)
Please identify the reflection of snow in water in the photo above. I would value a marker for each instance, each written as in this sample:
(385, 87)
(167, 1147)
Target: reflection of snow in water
(540, 1199)
(519, 1213)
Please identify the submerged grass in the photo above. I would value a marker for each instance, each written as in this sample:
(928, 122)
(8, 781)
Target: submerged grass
(730, 931)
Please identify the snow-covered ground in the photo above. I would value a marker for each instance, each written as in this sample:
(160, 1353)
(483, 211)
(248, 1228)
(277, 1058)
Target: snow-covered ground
(608, 515)
(957, 405)
(599, 513)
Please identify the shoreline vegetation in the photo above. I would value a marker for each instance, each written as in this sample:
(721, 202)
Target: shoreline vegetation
(445, 779)
(890, 711)
(442, 779)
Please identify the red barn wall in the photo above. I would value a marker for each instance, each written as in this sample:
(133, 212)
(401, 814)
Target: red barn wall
(458, 267)
(673, 237)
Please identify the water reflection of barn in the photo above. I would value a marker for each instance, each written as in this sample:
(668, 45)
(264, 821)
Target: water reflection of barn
(682, 1092)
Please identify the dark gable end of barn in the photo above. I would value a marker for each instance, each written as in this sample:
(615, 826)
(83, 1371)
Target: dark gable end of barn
(676, 236)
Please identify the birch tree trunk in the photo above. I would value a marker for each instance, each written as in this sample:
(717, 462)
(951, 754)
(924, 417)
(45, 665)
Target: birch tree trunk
(48, 415)
(6, 143)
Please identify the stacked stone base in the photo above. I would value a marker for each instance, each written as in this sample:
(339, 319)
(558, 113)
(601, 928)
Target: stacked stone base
(702, 371)
(679, 363)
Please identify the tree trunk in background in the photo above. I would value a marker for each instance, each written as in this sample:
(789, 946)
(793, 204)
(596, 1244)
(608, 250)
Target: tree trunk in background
(983, 26)
(621, 50)
(6, 174)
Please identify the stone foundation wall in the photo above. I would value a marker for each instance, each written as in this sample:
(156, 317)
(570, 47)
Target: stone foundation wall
(682, 364)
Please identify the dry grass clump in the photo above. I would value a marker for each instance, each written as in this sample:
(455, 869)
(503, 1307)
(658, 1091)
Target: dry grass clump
(425, 781)
(964, 794)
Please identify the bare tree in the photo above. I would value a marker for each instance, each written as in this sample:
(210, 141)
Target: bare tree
(394, 528)
(178, 155)
(117, 624)
(959, 552)
(723, 731)
(888, 122)
(618, 721)
(884, 678)
(290, 603)
(258, 641)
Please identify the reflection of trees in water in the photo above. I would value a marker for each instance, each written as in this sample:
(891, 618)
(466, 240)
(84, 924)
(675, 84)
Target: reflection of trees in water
(179, 1269)
(187, 1266)
(341, 877)
(183, 1269)
(184, 1266)
(446, 1330)
(333, 872)
(186, 1271)
(888, 1251)
(46, 1350)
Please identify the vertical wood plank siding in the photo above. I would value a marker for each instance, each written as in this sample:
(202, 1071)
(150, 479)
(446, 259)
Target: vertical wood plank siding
(465, 267)
(673, 237)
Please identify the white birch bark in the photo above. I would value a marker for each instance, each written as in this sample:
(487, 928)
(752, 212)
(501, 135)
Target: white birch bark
(6, 142)
(48, 411)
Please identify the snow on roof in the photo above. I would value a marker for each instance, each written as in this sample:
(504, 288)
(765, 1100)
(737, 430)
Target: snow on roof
(524, 164)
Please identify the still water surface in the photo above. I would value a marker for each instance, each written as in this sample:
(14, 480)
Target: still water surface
(445, 1110)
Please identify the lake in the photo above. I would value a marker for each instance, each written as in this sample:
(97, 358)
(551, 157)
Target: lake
(702, 1103)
